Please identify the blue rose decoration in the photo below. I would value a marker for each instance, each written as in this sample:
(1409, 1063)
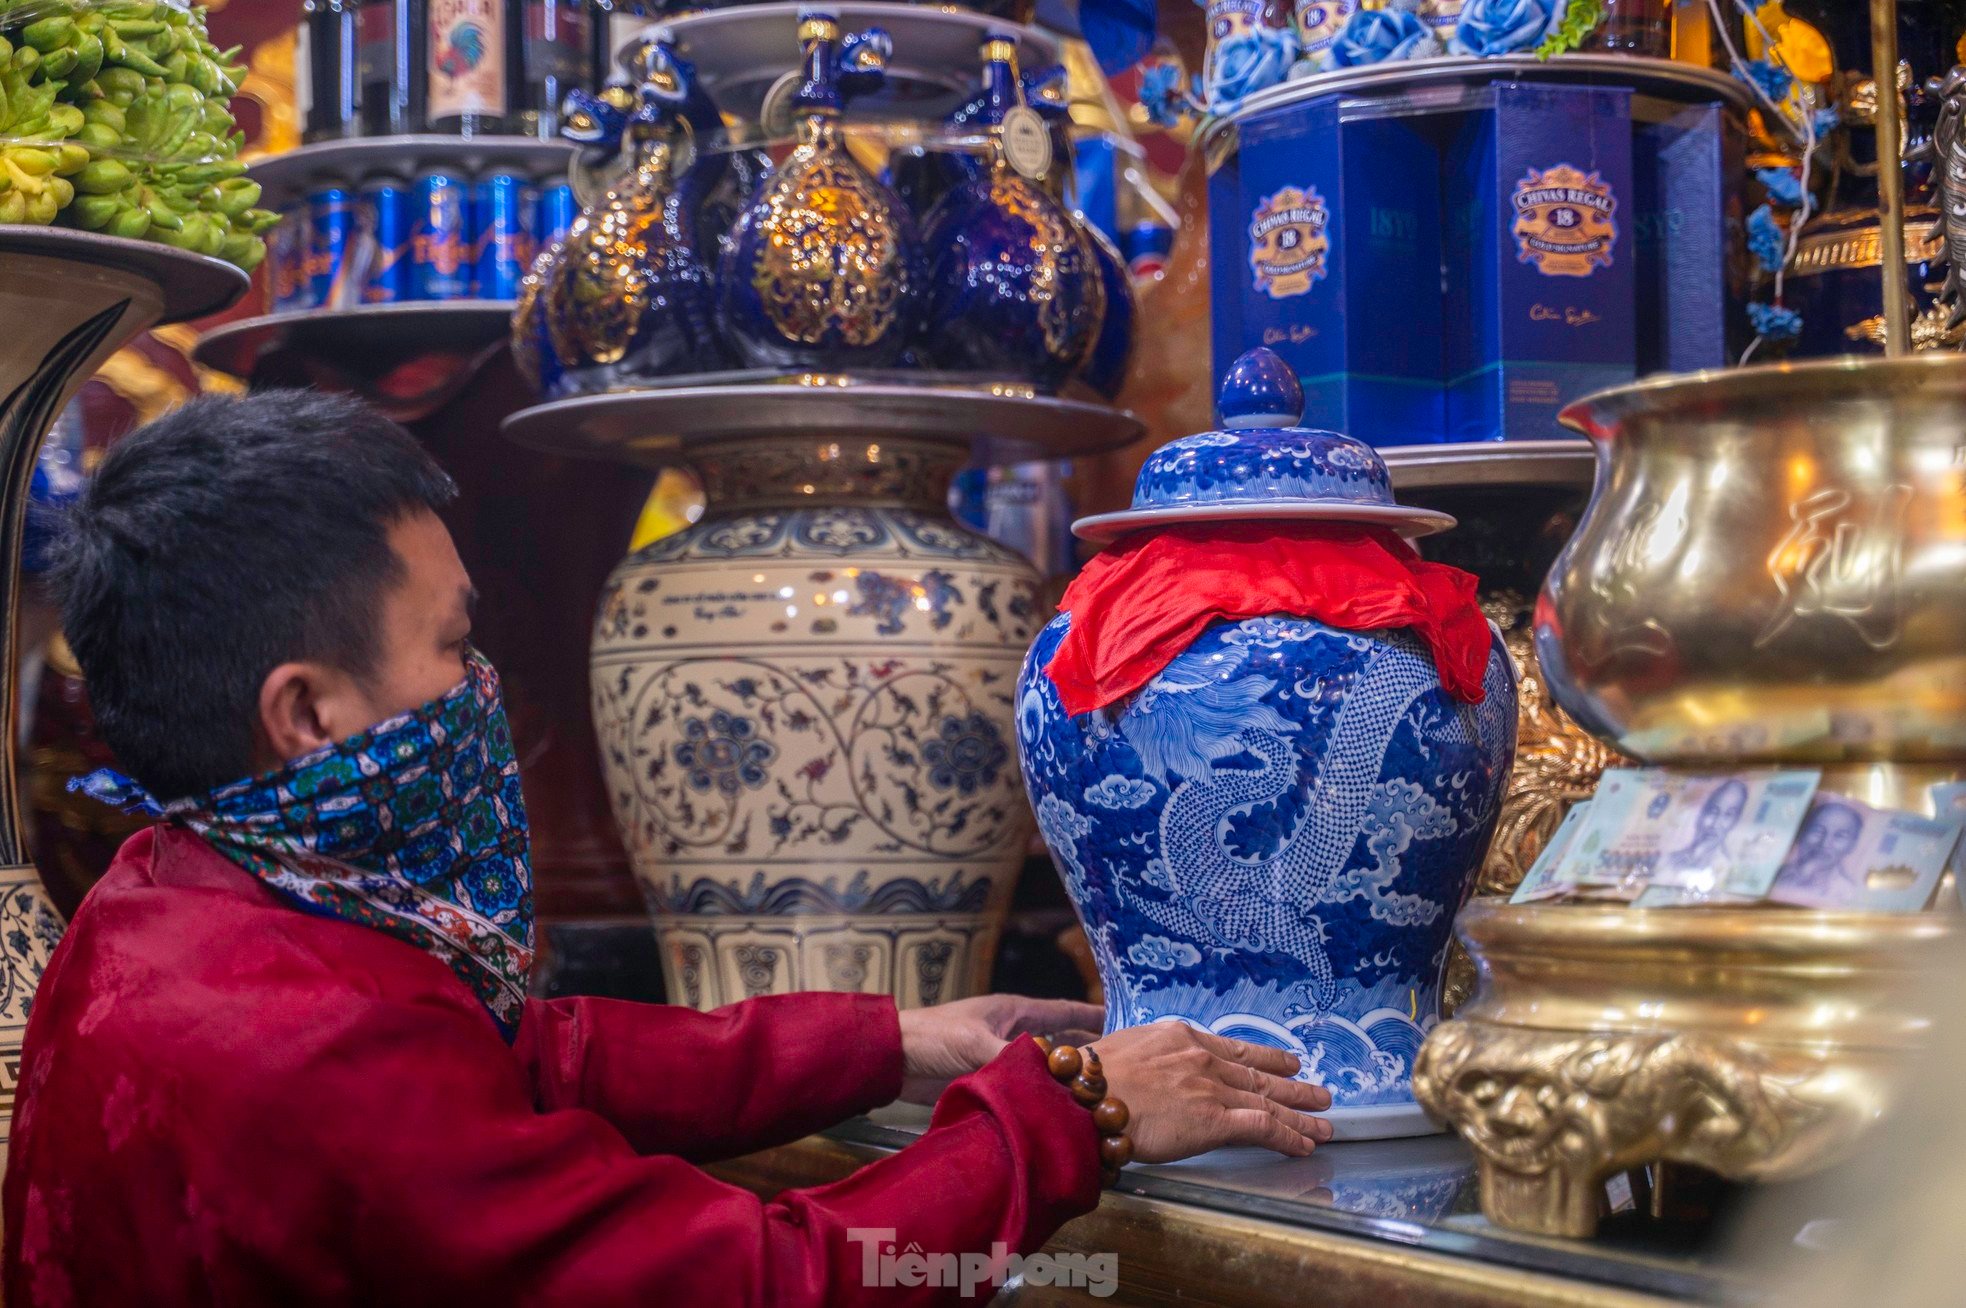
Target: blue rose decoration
(1246, 63)
(1782, 185)
(1767, 242)
(1164, 93)
(1380, 35)
(1775, 322)
(1499, 27)
(1773, 79)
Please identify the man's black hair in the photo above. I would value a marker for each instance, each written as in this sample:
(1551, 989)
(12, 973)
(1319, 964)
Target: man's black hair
(215, 544)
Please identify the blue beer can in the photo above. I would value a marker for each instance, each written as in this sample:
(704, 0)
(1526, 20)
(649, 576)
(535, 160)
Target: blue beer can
(287, 256)
(504, 208)
(384, 213)
(440, 236)
(557, 210)
(330, 241)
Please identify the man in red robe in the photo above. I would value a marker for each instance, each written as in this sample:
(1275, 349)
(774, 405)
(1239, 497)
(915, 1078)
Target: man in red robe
(285, 1054)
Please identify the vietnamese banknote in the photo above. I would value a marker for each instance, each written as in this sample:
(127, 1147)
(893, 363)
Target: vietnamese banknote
(1852, 856)
(1704, 832)
(1546, 877)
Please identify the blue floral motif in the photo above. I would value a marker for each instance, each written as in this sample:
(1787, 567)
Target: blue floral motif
(1119, 792)
(1782, 185)
(1766, 239)
(1499, 27)
(1373, 36)
(1773, 80)
(964, 754)
(724, 754)
(1776, 322)
(1318, 804)
(890, 599)
(1162, 954)
(1164, 93)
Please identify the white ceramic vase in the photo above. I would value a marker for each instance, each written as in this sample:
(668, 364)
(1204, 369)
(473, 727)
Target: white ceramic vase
(804, 703)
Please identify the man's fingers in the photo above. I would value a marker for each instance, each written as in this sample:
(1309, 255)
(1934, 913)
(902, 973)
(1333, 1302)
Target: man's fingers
(1261, 1057)
(1301, 1095)
(1314, 1129)
(1262, 1126)
(1055, 1017)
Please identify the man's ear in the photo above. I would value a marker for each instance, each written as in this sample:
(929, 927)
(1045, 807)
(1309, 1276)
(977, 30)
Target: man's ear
(299, 707)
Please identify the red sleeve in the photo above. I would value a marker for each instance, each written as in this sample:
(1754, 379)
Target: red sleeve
(461, 1192)
(714, 1085)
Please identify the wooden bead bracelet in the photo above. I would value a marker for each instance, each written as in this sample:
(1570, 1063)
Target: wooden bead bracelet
(1078, 1070)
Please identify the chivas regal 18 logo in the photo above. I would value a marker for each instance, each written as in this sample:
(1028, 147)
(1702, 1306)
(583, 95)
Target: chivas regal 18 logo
(1287, 244)
(1564, 221)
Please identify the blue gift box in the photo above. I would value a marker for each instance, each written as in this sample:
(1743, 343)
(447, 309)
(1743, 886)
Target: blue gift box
(1686, 162)
(1459, 260)
(1541, 266)
(1325, 237)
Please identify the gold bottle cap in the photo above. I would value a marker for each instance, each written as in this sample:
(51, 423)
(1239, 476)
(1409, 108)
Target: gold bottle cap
(997, 50)
(818, 29)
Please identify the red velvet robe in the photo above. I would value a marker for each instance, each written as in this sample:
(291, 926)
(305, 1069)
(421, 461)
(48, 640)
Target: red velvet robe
(223, 1099)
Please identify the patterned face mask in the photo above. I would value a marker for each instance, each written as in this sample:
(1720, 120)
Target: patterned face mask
(415, 827)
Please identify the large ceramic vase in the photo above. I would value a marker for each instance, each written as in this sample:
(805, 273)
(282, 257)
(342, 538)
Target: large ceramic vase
(1270, 839)
(72, 299)
(805, 710)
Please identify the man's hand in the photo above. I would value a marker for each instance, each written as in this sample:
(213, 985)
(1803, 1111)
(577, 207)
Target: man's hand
(1188, 1092)
(950, 1040)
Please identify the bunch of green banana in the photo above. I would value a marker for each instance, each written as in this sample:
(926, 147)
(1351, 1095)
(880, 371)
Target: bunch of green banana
(150, 93)
(165, 168)
(36, 157)
(153, 38)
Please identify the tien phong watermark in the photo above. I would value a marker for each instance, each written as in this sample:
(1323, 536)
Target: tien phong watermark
(882, 1264)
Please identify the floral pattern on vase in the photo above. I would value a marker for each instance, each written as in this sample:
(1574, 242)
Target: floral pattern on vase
(807, 720)
(1271, 839)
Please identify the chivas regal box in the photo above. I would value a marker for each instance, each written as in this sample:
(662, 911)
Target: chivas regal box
(1456, 255)
(1541, 262)
(1325, 241)
(1687, 224)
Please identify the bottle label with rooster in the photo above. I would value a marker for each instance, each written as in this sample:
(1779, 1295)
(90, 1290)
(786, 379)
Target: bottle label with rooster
(467, 58)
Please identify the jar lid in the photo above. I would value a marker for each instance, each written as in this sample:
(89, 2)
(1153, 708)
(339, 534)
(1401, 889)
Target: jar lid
(1261, 466)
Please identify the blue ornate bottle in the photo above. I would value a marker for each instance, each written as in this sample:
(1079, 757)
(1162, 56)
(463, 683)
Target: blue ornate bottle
(1014, 289)
(820, 272)
(1271, 838)
(629, 300)
(1104, 369)
(922, 174)
(596, 123)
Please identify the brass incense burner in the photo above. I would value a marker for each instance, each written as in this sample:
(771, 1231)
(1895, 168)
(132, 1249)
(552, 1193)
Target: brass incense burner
(1755, 1042)
(1772, 570)
(1772, 567)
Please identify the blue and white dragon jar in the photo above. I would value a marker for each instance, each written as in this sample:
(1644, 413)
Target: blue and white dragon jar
(806, 715)
(1271, 838)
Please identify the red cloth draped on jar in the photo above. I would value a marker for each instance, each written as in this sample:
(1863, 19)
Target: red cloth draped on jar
(1139, 604)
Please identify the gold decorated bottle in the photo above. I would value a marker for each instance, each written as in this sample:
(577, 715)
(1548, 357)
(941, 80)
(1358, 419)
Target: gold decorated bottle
(820, 271)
